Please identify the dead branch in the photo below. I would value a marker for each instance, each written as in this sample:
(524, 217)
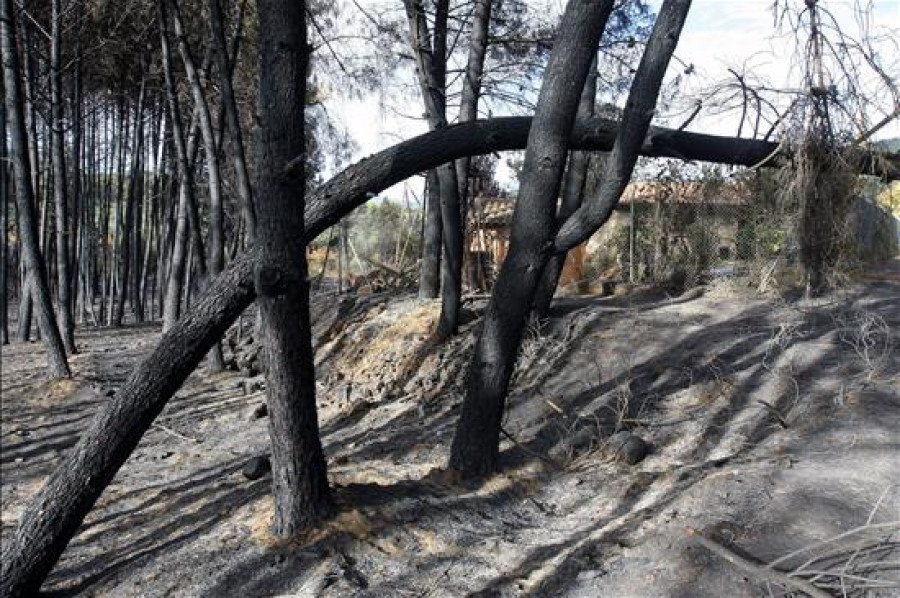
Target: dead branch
(758, 569)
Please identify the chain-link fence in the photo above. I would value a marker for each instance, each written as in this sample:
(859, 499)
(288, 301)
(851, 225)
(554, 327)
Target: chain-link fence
(683, 233)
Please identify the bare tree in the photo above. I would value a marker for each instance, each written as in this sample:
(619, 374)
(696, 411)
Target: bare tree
(431, 69)
(300, 483)
(60, 185)
(476, 441)
(28, 233)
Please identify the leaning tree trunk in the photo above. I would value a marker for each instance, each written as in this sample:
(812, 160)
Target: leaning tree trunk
(60, 194)
(572, 193)
(28, 233)
(300, 483)
(475, 443)
(636, 117)
(53, 517)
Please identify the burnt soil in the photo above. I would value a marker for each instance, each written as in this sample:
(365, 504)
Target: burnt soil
(772, 422)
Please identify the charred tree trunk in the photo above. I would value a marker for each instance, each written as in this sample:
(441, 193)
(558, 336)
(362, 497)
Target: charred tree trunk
(431, 62)
(300, 483)
(4, 223)
(216, 213)
(126, 260)
(186, 215)
(430, 268)
(475, 444)
(471, 90)
(60, 186)
(636, 117)
(28, 234)
(572, 194)
(476, 441)
(232, 121)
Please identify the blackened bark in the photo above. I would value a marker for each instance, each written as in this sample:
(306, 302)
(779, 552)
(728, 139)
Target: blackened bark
(300, 483)
(186, 203)
(471, 88)
(4, 224)
(226, 89)
(126, 258)
(28, 233)
(475, 444)
(76, 241)
(636, 117)
(431, 68)
(430, 267)
(572, 194)
(60, 186)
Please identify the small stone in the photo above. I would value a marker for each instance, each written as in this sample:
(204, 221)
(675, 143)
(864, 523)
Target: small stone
(628, 448)
(256, 468)
(260, 411)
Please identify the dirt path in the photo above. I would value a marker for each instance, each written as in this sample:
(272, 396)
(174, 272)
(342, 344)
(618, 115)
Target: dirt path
(690, 376)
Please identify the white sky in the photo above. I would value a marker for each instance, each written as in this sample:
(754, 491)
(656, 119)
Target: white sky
(718, 34)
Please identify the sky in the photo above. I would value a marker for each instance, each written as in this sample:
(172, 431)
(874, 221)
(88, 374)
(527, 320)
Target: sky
(718, 35)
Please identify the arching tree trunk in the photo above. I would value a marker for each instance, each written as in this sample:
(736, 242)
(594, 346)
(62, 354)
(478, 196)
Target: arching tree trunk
(28, 234)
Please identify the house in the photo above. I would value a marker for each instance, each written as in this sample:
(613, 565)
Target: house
(663, 215)
(487, 242)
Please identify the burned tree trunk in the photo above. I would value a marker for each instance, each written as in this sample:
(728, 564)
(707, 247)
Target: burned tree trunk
(471, 89)
(572, 194)
(60, 187)
(28, 232)
(431, 62)
(300, 483)
(226, 89)
(430, 268)
(216, 210)
(476, 441)
(636, 117)
(126, 262)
